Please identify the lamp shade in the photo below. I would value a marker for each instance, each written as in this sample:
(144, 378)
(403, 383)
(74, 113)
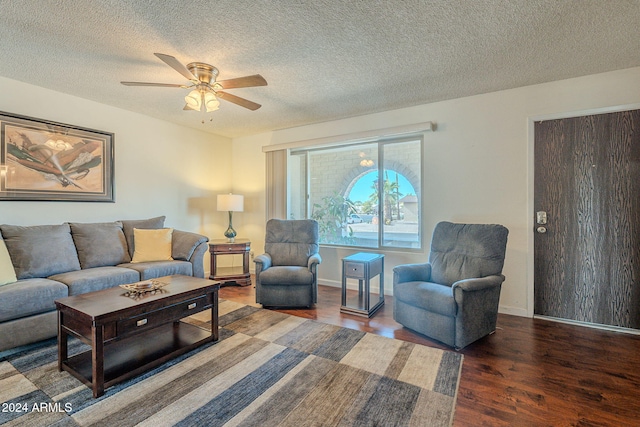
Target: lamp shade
(230, 202)
(194, 99)
(210, 102)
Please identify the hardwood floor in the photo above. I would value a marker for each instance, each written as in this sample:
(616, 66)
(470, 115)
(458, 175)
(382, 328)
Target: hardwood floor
(531, 372)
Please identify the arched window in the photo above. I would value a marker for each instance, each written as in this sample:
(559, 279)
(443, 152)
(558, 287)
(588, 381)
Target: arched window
(397, 206)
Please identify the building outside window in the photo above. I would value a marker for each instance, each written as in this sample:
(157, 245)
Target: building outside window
(365, 195)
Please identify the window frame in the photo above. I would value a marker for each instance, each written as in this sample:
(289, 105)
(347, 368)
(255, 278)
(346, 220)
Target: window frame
(381, 144)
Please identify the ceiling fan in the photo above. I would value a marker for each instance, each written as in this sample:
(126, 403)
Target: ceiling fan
(205, 89)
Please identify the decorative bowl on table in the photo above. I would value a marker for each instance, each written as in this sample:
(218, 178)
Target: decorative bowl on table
(143, 287)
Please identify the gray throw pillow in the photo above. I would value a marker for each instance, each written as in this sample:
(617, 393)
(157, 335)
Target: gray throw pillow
(40, 250)
(148, 224)
(100, 244)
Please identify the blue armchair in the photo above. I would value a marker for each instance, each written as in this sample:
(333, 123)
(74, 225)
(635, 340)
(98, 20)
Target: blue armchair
(454, 297)
(286, 274)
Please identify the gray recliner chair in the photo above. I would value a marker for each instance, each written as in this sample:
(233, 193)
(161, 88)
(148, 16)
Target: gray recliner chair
(286, 274)
(454, 297)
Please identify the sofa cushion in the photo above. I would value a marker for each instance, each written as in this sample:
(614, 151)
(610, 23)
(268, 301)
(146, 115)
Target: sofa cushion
(428, 296)
(95, 279)
(100, 244)
(155, 269)
(28, 297)
(7, 273)
(129, 225)
(152, 245)
(286, 275)
(41, 250)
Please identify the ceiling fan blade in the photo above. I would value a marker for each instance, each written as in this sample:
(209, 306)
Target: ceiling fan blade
(176, 65)
(238, 101)
(153, 84)
(247, 81)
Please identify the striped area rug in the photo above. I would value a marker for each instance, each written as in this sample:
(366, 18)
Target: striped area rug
(268, 369)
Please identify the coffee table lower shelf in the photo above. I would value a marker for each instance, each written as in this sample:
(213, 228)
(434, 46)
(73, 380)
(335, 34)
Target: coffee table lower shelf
(131, 356)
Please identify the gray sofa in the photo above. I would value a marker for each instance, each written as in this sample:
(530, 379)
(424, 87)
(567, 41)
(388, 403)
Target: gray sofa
(55, 261)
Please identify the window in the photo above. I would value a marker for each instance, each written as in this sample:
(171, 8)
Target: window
(365, 195)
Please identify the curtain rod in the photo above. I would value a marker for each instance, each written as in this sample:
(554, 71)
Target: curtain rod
(364, 136)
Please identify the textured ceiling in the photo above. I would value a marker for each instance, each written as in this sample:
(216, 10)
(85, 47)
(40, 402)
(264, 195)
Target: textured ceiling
(323, 59)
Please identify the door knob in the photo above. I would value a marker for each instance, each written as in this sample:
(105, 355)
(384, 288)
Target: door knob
(541, 230)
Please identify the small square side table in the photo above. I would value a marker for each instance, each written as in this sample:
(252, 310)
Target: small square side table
(230, 275)
(363, 267)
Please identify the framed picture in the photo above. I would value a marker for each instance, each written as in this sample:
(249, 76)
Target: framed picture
(43, 160)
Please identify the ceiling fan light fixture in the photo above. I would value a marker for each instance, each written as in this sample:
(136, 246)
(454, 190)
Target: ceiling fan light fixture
(210, 102)
(205, 88)
(194, 99)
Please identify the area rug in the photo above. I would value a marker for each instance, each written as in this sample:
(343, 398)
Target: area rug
(267, 369)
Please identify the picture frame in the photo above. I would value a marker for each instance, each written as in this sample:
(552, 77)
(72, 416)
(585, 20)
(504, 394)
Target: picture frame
(49, 161)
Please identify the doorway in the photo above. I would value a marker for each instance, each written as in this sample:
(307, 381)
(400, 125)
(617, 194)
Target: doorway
(587, 216)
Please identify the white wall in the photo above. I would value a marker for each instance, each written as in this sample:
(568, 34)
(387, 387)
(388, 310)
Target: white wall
(478, 166)
(160, 168)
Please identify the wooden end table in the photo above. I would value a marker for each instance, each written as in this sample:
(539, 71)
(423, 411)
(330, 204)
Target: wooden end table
(131, 335)
(228, 275)
(363, 267)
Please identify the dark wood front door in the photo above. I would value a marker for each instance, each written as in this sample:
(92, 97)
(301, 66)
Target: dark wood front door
(587, 180)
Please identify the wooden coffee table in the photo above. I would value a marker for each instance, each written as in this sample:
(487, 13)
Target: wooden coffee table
(131, 335)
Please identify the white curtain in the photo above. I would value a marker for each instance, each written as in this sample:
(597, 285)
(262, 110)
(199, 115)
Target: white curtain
(276, 184)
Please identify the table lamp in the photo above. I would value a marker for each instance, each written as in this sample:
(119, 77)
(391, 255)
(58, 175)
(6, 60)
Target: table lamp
(230, 203)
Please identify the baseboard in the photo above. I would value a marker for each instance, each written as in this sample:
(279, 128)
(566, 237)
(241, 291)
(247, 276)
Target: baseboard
(332, 283)
(514, 311)
(589, 325)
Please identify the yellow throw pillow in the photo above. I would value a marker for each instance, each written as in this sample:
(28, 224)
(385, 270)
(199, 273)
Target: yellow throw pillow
(152, 245)
(7, 272)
